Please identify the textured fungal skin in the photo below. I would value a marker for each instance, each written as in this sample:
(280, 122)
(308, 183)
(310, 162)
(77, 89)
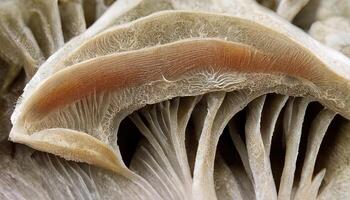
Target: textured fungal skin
(173, 104)
(116, 72)
(276, 49)
(123, 11)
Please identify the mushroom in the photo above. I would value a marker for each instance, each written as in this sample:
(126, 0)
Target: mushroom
(183, 105)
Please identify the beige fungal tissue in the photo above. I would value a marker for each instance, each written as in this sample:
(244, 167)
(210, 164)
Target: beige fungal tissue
(174, 99)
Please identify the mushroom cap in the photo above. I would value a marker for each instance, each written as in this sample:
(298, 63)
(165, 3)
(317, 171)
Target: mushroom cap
(262, 60)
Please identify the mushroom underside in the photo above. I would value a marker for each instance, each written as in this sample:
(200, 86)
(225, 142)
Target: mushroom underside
(216, 145)
(277, 131)
(180, 101)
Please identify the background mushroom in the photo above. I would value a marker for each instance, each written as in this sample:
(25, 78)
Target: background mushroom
(181, 105)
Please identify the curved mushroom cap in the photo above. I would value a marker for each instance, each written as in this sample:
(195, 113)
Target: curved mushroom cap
(182, 60)
(270, 63)
(194, 25)
(124, 11)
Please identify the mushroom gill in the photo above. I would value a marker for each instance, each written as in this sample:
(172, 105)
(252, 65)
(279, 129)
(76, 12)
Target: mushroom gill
(182, 105)
(165, 169)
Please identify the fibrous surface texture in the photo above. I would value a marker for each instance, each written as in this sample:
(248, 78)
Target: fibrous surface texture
(173, 99)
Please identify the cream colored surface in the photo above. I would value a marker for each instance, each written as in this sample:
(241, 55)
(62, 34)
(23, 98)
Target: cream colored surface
(215, 90)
